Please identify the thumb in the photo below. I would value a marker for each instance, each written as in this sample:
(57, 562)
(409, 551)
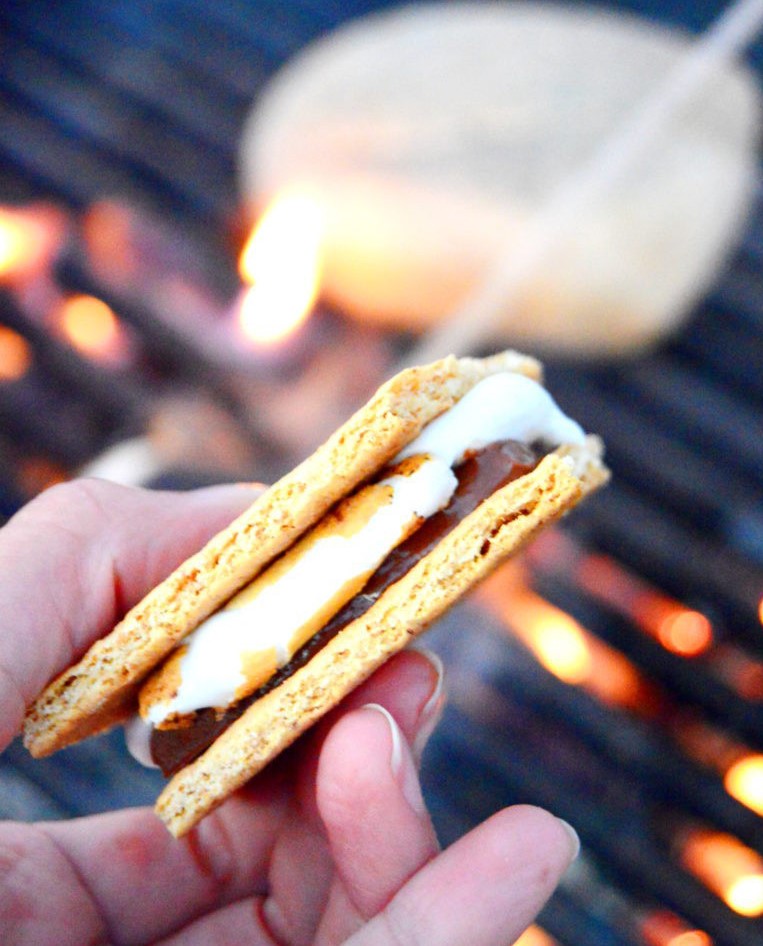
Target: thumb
(76, 558)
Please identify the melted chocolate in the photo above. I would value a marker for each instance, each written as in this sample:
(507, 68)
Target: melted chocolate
(478, 477)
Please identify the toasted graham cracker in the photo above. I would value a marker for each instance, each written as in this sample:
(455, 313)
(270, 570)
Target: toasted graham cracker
(100, 690)
(498, 528)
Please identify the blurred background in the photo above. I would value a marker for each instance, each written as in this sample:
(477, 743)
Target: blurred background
(223, 225)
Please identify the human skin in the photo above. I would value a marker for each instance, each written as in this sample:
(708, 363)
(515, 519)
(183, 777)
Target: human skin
(331, 844)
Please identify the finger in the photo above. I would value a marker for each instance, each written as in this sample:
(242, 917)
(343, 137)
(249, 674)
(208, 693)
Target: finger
(411, 686)
(484, 890)
(76, 558)
(240, 923)
(377, 853)
(42, 902)
(398, 686)
(377, 828)
(144, 885)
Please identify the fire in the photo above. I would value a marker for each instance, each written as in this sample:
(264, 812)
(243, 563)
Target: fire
(568, 650)
(108, 232)
(663, 928)
(742, 769)
(28, 237)
(281, 266)
(730, 869)
(90, 326)
(15, 355)
(679, 629)
(559, 643)
(535, 936)
(16, 243)
(745, 895)
(691, 938)
(34, 474)
(685, 632)
(744, 781)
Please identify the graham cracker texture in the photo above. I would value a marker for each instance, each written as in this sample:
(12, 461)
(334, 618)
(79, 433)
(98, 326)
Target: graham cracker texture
(100, 690)
(497, 529)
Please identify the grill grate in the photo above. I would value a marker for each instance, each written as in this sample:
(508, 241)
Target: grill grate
(137, 100)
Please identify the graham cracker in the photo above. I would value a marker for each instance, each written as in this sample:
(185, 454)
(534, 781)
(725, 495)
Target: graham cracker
(100, 690)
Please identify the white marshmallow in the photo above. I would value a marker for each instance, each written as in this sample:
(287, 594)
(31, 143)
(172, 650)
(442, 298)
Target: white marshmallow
(505, 406)
(211, 668)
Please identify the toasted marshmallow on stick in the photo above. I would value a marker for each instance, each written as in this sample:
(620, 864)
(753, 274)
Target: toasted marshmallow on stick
(329, 573)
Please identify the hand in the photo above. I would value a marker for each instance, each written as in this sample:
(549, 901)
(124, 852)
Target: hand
(331, 844)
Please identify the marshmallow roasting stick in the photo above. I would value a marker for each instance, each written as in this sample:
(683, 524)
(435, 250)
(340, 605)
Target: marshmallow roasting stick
(449, 469)
(479, 317)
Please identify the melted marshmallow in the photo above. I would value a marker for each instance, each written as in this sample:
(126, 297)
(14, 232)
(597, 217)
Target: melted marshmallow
(138, 740)
(505, 406)
(211, 670)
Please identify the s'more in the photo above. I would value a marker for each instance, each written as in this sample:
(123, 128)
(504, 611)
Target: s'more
(448, 470)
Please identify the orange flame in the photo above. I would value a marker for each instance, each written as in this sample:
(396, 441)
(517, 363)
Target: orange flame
(740, 669)
(744, 781)
(568, 650)
(91, 326)
(742, 769)
(28, 237)
(15, 355)
(535, 936)
(691, 938)
(557, 640)
(108, 232)
(727, 867)
(663, 928)
(35, 474)
(281, 265)
(678, 628)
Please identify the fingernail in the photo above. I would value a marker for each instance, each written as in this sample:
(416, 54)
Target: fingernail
(401, 762)
(573, 836)
(432, 710)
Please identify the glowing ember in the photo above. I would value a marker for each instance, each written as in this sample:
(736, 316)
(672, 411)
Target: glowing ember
(281, 265)
(691, 938)
(28, 237)
(679, 629)
(740, 669)
(685, 632)
(15, 243)
(108, 232)
(566, 649)
(744, 781)
(535, 936)
(663, 928)
(90, 326)
(15, 355)
(37, 473)
(730, 869)
(745, 895)
(555, 638)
